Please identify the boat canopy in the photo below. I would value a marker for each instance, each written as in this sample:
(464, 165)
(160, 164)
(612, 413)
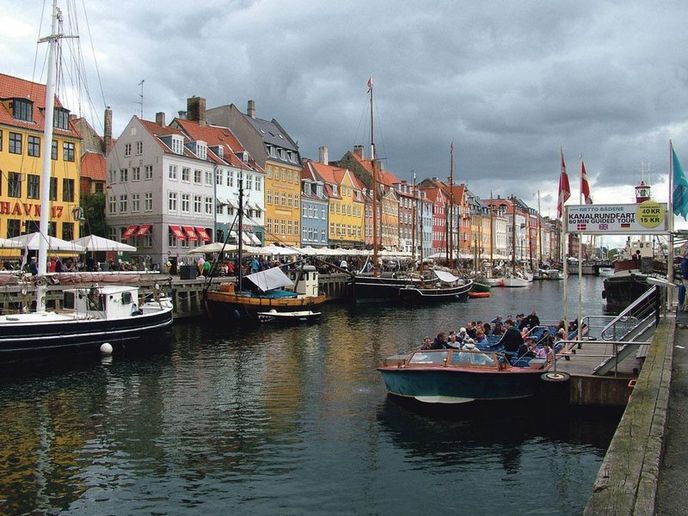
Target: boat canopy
(446, 277)
(270, 279)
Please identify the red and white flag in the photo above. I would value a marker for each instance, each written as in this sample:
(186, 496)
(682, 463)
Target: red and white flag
(370, 84)
(585, 186)
(564, 187)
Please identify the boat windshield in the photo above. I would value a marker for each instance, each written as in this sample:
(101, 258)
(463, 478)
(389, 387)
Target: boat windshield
(431, 357)
(471, 358)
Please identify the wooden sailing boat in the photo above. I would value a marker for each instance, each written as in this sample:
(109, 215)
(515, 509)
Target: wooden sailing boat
(264, 291)
(92, 315)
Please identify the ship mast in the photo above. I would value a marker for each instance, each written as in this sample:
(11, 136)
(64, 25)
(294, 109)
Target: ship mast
(376, 266)
(450, 231)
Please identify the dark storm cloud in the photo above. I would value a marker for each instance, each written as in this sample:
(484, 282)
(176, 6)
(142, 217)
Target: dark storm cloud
(508, 82)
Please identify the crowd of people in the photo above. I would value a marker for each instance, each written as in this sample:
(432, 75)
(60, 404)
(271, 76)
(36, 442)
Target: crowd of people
(515, 336)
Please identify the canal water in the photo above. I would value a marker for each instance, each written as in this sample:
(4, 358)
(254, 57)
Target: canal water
(290, 421)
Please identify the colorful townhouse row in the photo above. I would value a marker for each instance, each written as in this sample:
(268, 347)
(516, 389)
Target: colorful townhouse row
(171, 187)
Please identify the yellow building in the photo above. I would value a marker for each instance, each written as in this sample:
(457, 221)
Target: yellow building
(22, 107)
(282, 203)
(346, 206)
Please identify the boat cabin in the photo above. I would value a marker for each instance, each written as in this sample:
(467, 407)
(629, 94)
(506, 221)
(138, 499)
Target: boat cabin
(107, 302)
(305, 280)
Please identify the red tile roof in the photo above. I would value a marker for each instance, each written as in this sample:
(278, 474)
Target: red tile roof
(211, 134)
(14, 87)
(385, 177)
(93, 166)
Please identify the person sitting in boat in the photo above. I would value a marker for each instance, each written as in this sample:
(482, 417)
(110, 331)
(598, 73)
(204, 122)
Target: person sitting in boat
(527, 349)
(427, 343)
(532, 320)
(471, 330)
(545, 352)
(511, 340)
(440, 341)
(487, 329)
(464, 338)
(546, 337)
(453, 341)
(480, 337)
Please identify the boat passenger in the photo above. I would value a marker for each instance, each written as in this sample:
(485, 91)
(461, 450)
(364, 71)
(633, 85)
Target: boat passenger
(525, 350)
(532, 320)
(487, 329)
(480, 337)
(512, 338)
(452, 341)
(427, 343)
(440, 341)
(546, 353)
(471, 329)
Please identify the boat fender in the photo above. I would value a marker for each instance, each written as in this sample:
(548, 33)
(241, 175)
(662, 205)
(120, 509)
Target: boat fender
(555, 376)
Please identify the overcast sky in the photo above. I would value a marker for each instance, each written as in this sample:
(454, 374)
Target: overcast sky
(508, 82)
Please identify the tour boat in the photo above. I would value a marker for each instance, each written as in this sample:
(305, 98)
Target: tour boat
(90, 316)
(452, 376)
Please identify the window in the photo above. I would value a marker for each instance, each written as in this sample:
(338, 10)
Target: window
(15, 143)
(197, 204)
(218, 177)
(209, 177)
(13, 228)
(177, 144)
(148, 172)
(259, 181)
(68, 190)
(135, 202)
(171, 239)
(112, 204)
(61, 119)
(53, 189)
(249, 181)
(269, 196)
(186, 172)
(148, 201)
(127, 149)
(67, 231)
(53, 150)
(123, 204)
(14, 184)
(22, 109)
(34, 147)
(139, 149)
(230, 178)
(197, 177)
(186, 202)
(172, 201)
(68, 151)
(284, 199)
(172, 172)
(0, 140)
(220, 209)
(147, 239)
(123, 175)
(136, 173)
(33, 190)
(209, 205)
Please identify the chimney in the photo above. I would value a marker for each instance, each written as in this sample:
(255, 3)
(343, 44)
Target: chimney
(358, 151)
(107, 130)
(181, 114)
(160, 118)
(323, 155)
(251, 109)
(195, 110)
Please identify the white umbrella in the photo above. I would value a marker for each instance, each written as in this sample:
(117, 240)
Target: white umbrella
(9, 244)
(98, 243)
(32, 241)
(215, 247)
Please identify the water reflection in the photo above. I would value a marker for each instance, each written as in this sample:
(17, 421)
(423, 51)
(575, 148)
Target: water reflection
(270, 420)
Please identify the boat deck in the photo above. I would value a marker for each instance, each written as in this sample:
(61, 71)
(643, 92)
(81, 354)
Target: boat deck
(591, 354)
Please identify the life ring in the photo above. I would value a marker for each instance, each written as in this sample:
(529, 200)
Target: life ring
(555, 376)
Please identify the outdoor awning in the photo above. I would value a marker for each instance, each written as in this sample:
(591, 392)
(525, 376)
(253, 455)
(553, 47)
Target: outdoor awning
(129, 232)
(245, 237)
(202, 234)
(190, 233)
(177, 232)
(143, 230)
(255, 239)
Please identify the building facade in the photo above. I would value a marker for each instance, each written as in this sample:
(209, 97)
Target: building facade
(314, 208)
(22, 104)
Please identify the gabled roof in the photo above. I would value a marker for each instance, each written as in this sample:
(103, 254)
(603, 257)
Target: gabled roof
(93, 166)
(272, 133)
(14, 87)
(334, 175)
(384, 177)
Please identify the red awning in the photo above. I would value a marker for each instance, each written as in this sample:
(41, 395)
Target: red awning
(202, 233)
(190, 233)
(143, 230)
(129, 232)
(177, 232)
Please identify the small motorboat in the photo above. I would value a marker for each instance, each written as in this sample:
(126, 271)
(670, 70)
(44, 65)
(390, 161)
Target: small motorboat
(301, 316)
(451, 376)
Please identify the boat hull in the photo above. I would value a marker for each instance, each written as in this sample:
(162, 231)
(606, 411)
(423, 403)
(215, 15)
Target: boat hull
(36, 340)
(435, 295)
(623, 288)
(450, 386)
(515, 283)
(481, 287)
(369, 289)
(287, 318)
(229, 306)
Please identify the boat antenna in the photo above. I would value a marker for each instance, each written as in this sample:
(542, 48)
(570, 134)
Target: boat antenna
(450, 236)
(376, 266)
(140, 102)
(241, 227)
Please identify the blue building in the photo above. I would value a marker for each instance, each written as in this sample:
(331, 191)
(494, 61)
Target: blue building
(314, 208)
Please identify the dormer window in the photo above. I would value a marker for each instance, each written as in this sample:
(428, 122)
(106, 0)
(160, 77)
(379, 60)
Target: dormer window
(221, 152)
(334, 189)
(22, 109)
(201, 150)
(177, 144)
(61, 120)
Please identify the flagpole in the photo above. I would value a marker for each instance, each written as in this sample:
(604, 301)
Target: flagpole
(670, 214)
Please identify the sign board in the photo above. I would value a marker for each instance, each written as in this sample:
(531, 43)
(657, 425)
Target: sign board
(646, 218)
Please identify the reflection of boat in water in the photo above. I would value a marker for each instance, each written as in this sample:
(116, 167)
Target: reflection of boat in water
(450, 376)
(296, 317)
(548, 274)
